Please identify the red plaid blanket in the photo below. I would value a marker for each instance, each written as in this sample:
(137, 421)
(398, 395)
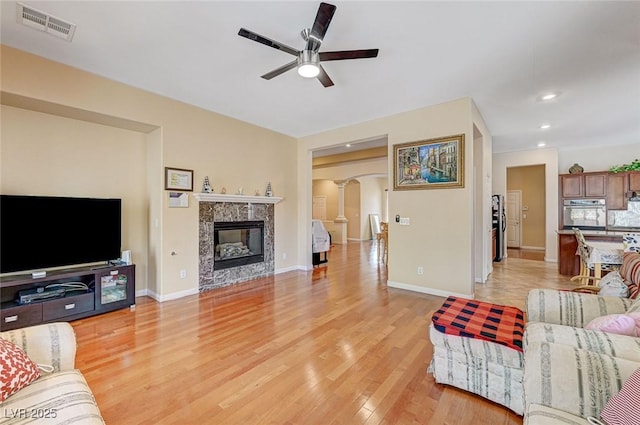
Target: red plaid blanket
(476, 319)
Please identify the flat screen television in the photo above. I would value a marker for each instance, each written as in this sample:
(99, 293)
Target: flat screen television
(40, 232)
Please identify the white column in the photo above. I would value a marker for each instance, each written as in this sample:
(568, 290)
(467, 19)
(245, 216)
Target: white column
(340, 218)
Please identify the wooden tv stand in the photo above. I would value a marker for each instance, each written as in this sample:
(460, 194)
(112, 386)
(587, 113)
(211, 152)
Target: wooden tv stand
(110, 288)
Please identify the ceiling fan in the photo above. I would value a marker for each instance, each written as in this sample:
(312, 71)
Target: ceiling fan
(308, 60)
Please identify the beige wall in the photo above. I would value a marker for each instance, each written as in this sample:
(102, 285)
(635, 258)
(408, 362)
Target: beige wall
(232, 153)
(44, 154)
(598, 158)
(530, 181)
(441, 231)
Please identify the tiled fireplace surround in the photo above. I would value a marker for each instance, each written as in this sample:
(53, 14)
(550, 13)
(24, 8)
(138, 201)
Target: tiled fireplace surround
(211, 212)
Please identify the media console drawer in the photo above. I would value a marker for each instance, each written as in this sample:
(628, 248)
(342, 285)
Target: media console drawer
(68, 306)
(20, 316)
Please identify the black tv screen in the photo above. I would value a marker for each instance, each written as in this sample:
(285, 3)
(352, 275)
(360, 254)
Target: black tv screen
(39, 232)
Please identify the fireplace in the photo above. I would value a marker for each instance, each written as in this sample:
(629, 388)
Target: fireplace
(237, 243)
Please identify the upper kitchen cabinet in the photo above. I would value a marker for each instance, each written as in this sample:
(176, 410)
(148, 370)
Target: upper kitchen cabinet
(620, 187)
(634, 181)
(617, 188)
(572, 185)
(595, 185)
(590, 185)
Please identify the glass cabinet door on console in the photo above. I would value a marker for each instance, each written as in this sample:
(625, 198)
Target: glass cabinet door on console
(115, 288)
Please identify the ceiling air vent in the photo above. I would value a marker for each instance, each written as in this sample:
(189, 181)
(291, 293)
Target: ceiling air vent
(42, 21)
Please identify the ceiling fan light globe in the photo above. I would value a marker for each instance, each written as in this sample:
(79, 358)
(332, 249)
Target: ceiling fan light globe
(308, 70)
(308, 64)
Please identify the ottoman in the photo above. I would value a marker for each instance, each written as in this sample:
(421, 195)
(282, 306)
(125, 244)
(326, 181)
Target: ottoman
(477, 347)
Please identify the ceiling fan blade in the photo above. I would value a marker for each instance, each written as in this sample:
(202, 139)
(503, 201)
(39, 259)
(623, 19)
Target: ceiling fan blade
(348, 54)
(324, 78)
(281, 70)
(320, 26)
(267, 41)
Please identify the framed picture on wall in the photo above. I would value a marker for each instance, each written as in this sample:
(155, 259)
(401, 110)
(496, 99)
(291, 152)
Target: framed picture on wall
(178, 179)
(429, 164)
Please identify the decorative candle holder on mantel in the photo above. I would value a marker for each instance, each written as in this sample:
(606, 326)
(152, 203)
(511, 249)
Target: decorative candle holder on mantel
(219, 197)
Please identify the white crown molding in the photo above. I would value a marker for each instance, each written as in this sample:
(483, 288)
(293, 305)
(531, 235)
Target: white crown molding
(218, 197)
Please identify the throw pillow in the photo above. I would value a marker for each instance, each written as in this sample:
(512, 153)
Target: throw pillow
(16, 369)
(630, 269)
(622, 408)
(621, 324)
(612, 285)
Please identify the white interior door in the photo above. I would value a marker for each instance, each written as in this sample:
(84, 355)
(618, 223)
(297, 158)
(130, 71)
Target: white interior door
(319, 208)
(513, 208)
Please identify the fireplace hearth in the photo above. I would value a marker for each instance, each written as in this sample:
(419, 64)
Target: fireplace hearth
(237, 243)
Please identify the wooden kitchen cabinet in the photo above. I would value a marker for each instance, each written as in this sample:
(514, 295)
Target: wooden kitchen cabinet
(617, 188)
(589, 185)
(572, 185)
(595, 185)
(634, 181)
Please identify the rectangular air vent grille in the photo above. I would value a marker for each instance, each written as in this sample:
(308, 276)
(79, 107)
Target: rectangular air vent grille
(42, 21)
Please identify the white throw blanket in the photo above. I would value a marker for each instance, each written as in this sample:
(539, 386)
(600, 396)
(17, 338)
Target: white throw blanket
(319, 237)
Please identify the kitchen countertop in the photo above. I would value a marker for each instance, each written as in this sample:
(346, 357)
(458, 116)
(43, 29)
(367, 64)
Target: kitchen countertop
(588, 233)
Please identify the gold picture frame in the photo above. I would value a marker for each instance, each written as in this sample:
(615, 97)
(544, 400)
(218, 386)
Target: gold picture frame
(178, 179)
(429, 164)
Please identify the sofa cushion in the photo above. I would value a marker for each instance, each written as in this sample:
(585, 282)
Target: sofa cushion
(17, 370)
(576, 381)
(59, 398)
(593, 340)
(537, 414)
(635, 307)
(52, 344)
(571, 308)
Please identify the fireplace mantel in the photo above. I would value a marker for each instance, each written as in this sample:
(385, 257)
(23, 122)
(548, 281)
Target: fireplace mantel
(218, 197)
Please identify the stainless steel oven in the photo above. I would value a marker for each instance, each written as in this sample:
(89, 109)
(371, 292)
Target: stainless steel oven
(584, 214)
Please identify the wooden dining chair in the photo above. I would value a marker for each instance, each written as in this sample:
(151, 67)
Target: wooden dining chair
(587, 281)
(383, 237)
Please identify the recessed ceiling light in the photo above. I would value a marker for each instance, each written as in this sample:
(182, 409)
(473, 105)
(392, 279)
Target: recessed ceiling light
(348, 145)
(542, 144)
(545, 126)
(547, 96)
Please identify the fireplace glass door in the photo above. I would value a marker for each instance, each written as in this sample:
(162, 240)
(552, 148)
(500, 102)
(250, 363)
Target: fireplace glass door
(238, 243)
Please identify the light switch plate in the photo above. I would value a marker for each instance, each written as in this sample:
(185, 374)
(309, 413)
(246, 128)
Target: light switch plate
(404, 221)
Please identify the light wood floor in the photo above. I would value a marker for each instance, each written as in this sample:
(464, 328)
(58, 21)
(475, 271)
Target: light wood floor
(332, 346)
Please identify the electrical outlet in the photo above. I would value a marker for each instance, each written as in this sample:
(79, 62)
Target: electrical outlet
(420, 270)
(284, 255)
(183, 274)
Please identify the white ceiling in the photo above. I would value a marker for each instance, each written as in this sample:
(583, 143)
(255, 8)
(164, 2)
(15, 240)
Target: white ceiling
(504, 55)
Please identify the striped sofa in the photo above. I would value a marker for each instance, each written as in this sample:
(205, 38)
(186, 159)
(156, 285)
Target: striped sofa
(56, 398)
(569, 372)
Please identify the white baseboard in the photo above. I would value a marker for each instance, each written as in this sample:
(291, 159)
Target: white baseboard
(424, 290)
(172, 296)
(142, 293)
(291, 269)
(533, 248)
